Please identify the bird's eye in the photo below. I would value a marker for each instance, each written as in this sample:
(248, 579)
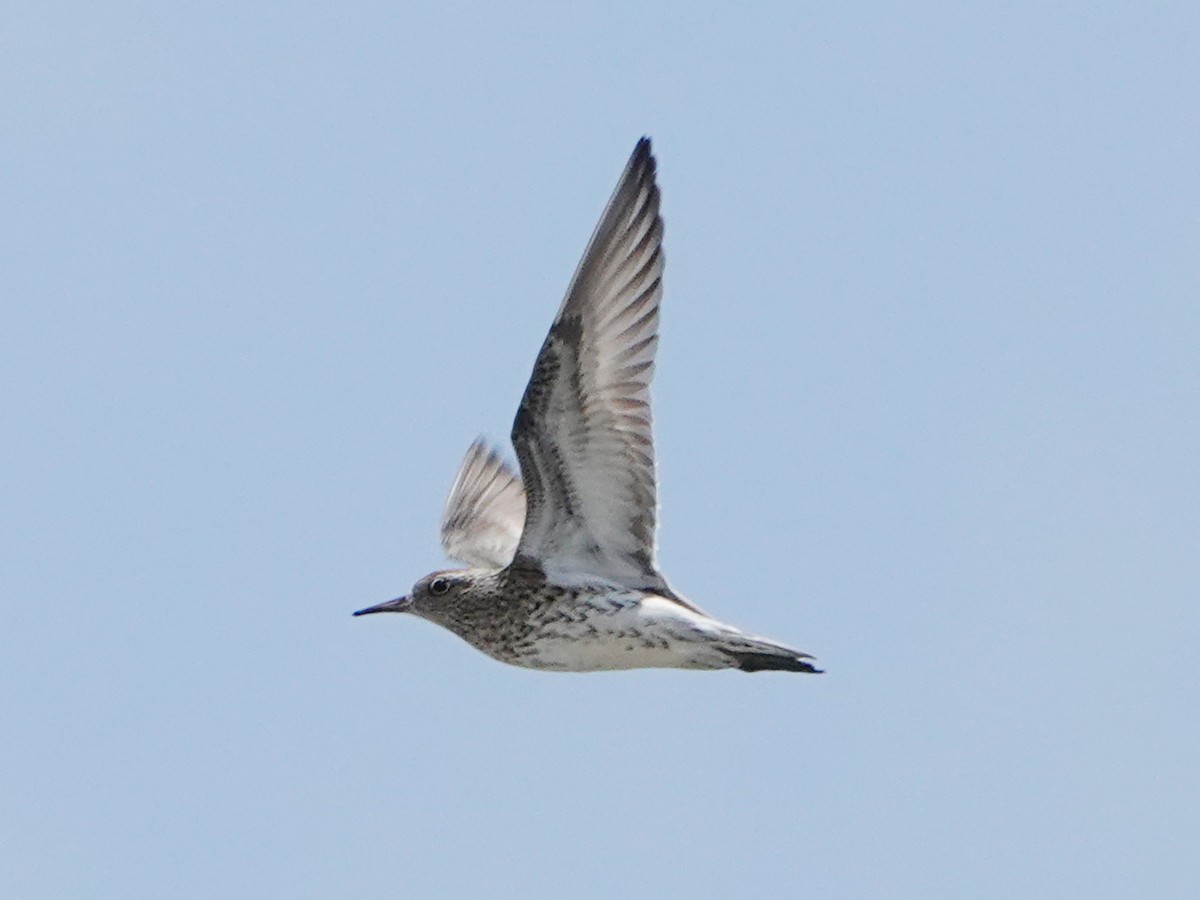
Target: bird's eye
(439, 585)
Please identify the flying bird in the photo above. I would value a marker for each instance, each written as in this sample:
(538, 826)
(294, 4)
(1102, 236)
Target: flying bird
(561, 567)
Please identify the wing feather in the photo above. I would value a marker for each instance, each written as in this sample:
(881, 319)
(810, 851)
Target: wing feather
(583, 432)
(485, 511)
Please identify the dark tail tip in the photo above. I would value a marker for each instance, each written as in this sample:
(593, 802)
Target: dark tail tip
(768, 662)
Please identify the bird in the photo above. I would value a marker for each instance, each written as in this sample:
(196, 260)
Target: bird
(561, 572)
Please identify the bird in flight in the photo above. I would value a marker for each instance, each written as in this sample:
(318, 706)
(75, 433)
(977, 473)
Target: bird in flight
(561, 571)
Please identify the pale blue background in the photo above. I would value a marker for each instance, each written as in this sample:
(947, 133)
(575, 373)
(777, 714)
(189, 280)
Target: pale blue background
(928, 407)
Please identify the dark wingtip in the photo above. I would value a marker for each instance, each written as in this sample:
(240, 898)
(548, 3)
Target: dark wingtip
(642, 159)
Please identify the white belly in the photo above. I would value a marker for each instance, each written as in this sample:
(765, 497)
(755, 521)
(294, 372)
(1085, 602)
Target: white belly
(627, 631)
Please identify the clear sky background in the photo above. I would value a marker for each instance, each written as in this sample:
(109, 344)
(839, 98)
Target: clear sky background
(928, 407)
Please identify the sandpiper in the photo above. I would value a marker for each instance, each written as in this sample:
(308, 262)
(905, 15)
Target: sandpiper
(562, 574)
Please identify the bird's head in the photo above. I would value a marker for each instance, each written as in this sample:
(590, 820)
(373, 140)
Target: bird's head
(433, 593)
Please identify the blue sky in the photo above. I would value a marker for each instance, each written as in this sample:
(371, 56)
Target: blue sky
(926, 408)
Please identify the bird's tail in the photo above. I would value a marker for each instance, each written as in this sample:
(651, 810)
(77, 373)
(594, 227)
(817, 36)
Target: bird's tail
(763, 656)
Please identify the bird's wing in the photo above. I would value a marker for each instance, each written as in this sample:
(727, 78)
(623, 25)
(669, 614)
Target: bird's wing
(481, 524)
(583, 432)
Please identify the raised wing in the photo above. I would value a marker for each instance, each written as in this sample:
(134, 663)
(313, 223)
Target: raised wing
(583, 432)
(481, 524)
